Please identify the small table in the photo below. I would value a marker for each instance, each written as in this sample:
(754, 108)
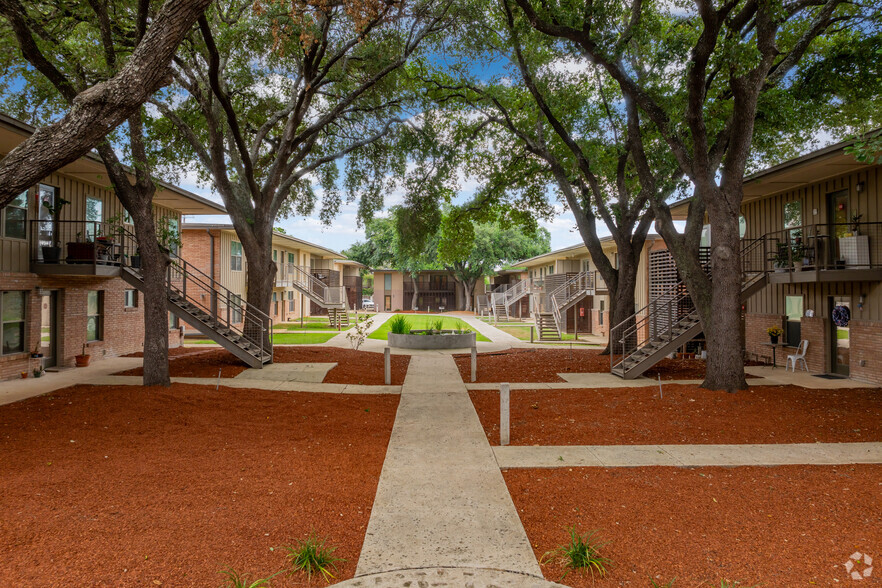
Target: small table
(774, 346)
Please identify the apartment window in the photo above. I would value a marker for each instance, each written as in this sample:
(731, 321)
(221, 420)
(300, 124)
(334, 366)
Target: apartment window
(174, 229)
(387, 282)
(793, 218)
(12, 312)
(94, 217)
(94, 315)
(15, 217)
(291, 258)
(172, 321)
(550, 269)
(275, 255)
(236, 256)
(131, 299)
(601, 311)
(236, 302)
(793, 308)
(290, 301)
(275, 303)
(586, 265)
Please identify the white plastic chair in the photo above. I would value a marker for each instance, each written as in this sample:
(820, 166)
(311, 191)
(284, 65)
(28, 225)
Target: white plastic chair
(798, 356)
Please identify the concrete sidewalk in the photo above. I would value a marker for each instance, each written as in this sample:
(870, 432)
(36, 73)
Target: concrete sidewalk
(687, 455)
(441, 499)
(20, 389)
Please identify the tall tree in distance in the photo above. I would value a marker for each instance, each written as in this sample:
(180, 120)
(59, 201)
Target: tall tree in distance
(697, 74)
(267, 100)
(102, 104)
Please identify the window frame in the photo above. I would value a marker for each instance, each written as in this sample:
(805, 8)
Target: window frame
(90, 223)
(236, 255)
(236, 314)
(793, 327)
(4, 216)
(290, 300)
(99, 316)
(22, 322)
(134, 303)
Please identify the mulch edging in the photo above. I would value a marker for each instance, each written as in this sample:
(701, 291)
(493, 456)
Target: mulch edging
(687, 414)
(782, 526)
(544, 365)
(132, 486)
(353, 367)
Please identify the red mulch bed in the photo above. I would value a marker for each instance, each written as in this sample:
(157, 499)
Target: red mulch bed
(686, 414)
(132, 486)
(353, 367)
(781, 526)
(543, 365)
(176, 351)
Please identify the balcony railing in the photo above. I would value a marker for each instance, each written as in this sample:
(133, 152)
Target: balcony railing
(81, 243)
(823, 247)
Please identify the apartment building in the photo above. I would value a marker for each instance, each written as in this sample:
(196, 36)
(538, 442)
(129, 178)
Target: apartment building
(310, 280)
(812, 232)
(69, 265)
(436, 290)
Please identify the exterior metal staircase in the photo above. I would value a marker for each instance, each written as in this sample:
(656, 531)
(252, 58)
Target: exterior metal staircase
(482, 305)
(331, 297)
(670, 321)
(196, 298)
(504, 296)
(550, 321)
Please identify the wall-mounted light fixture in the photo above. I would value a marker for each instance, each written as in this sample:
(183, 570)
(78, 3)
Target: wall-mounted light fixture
(861, 302)
(859, 187)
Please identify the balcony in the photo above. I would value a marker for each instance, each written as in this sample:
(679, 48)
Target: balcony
(80, 248)
(847, 252)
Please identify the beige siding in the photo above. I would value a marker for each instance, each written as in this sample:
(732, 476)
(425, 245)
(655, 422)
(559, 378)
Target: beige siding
(233, 280)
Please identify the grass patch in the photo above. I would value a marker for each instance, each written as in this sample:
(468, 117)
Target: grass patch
(523, 333)
(312, 557)
(302, 338)
(425, 321)
(582, 553)
(313, 326)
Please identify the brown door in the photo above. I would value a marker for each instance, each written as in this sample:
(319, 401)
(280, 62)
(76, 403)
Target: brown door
(387, 302)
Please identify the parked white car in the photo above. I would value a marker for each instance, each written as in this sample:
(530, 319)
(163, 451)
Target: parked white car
(368, 304)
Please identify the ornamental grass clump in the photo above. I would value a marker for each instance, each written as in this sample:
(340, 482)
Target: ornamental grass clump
(438, 325)
(312, 557)
(237, 580)
(399, 325)
(582, 553)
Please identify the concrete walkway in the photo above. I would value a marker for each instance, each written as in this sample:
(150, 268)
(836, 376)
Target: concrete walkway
(441, 499)
(687, 455)
(256, 384)
(15, 390)
(447, 578)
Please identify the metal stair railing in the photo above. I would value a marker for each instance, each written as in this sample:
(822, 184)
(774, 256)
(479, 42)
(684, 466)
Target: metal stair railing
(661, 317)
(564, 295)
(188, 283)
(302, 279)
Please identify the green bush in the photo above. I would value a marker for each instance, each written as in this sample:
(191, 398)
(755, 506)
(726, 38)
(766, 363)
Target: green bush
(399, 325)
(581, 553)
(311, 556)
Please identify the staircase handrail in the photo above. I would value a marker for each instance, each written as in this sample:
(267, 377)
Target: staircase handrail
(255, 322)
(563, 294)
(668, 302)
(303, 278)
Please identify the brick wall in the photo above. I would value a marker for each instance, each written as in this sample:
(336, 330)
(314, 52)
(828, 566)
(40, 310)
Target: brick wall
(865, 338)
(755, 336)
(596, 327)
(815, 330)
(123, 328)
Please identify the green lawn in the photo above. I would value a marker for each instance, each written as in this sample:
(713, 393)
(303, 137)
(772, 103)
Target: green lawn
(523, 333)
(313, 326)
(281, 339)
(425, 321)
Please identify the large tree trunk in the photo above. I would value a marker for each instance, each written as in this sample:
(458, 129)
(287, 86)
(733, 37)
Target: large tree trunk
(261, 278)
(154, 263)
(416, 293)
(622, 302)
(725, 360)
(468, 290)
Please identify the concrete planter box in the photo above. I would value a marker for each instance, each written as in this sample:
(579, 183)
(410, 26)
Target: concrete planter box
(442, 341)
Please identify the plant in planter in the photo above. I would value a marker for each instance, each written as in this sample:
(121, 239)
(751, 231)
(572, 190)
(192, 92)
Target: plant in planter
(84, 358)
(856, 223)
(797, 256)
(38, 372)
(774, 332)
(782, 257)
(399, 325)
(52, 253)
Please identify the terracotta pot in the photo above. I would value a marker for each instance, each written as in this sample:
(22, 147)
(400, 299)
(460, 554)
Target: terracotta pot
(24, 375)
(83, 360)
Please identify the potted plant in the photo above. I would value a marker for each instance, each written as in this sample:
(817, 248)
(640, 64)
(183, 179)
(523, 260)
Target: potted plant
(52, 253)
(797, 256)
(24, 375)
(83, 358)
(856, 223)
(135, 260)
(38, 372)
(782, 257)
(774, 332)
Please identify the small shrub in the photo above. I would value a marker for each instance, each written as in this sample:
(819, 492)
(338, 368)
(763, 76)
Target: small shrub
(311, 556)
(399, 325)
(582, 553)
(359, 333)
(237, 580)
(437, 325)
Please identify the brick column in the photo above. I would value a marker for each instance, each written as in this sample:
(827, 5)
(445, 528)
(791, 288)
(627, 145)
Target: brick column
(865, 339)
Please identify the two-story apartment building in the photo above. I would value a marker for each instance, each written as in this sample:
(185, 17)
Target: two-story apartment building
(436, 290)
(63, 245)
(590, 313)
(813, 226)
(307, 274)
